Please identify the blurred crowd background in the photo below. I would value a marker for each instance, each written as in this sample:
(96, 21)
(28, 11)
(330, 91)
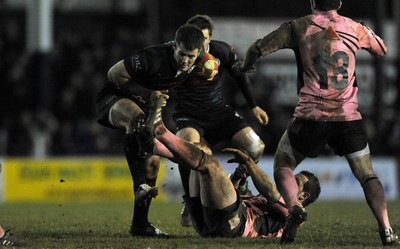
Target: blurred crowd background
(47, 96)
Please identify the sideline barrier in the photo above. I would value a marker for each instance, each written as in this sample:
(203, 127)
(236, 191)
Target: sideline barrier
(108, 178)
(67, 179)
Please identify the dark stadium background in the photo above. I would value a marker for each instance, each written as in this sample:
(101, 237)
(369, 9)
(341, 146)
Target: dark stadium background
(47, 95)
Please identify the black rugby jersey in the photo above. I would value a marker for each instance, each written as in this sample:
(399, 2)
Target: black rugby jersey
(200, 97)
(155, 68)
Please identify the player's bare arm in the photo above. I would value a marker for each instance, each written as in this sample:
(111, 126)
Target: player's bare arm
(251, 56)
(118, 74)
(262, 181)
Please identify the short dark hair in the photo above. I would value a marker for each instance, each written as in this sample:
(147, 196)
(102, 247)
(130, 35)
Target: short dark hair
(327, 5)
(312, 187)
(202, 21)
(191, 36)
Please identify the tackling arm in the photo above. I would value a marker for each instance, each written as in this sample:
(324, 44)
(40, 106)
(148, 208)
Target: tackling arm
(244, 83)
(280, 38)
(262, 181)
(251, 56)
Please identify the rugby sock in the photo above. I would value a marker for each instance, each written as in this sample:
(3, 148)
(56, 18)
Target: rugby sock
(375, 196)
(287, 186)
(137, 166)
(138, 173)
(185, 174)
(141, 213)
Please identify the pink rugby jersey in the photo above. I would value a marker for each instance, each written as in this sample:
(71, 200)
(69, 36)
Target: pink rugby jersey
(263, 219)
(325, 46)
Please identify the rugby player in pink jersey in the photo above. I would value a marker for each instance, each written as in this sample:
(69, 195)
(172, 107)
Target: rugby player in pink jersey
(215, 205)
(325, 44)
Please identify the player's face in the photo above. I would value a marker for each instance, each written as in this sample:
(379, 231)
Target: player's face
(185, 58)
(207, 38)
(301, 180)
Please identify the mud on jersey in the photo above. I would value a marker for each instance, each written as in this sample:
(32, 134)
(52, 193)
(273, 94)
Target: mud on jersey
(325, 45)
(263, 219)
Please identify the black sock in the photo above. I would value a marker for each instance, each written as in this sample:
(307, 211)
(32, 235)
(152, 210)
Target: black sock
(137, 168)
(185, 174)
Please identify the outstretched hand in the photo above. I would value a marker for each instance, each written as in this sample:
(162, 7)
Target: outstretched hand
(238, 66)
(240, 156)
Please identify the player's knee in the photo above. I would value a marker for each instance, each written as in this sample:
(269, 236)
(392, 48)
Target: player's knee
(284, 159)
(122, 113)
(256, 149)
(136, 123)
(286, 155)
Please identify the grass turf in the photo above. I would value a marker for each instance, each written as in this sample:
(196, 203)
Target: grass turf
(105, 225)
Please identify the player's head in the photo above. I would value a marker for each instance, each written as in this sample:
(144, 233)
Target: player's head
(188, 46)
(309, 187)
(190, 36)
(325, 5)
(205, 23)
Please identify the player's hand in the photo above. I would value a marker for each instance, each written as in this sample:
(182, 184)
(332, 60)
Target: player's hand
(157, 94)
(241, 171)
(261, 115)
(240, 156)
(238, 66)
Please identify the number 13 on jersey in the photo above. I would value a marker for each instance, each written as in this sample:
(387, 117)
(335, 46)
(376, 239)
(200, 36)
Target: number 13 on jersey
(333, 68)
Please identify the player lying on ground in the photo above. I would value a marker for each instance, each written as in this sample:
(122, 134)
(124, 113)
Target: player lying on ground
(214, 204)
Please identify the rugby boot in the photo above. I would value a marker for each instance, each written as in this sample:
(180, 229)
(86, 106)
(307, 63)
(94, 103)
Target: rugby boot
(389, 237)
(292, 222)
(148, 230)
(10, 239)
(154, 118)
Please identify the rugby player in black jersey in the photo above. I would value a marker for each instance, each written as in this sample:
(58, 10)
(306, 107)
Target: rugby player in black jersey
(124, 102)
(201, 112)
